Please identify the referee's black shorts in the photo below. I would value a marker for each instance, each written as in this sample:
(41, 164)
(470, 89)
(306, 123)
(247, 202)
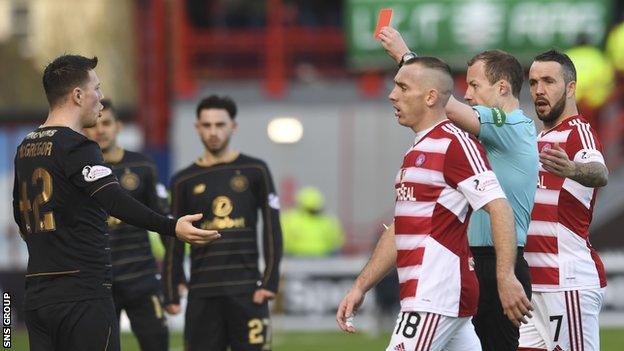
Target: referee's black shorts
(493, 328)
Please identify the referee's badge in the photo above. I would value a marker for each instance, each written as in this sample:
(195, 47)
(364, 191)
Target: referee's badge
(420, 160)
(130, 180)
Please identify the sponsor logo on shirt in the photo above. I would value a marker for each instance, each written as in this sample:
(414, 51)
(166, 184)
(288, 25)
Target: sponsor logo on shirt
(399, 347)
(499, 117)
(93, 173)
(199, 188)
(405, 193)
(222, 207)
(274, 201)
(161, 191)
(481, 185)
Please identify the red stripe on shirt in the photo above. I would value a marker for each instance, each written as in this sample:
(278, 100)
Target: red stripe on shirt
(410, 257)
(540, 243)
(544, 275)
(408, 288)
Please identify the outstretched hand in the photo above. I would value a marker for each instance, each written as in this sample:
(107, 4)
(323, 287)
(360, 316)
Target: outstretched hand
(556, 161)
(186, 232)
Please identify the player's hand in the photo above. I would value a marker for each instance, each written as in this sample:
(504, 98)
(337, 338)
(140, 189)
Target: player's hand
(348, 308)
(555, 160)
(515, 303)
(262, 295)
(393, 43)
(173, 309)
(186, 232)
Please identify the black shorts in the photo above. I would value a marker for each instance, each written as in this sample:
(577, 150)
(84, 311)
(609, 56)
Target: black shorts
(214, 323)
(77, 325)
(493, 328)
(147, 320)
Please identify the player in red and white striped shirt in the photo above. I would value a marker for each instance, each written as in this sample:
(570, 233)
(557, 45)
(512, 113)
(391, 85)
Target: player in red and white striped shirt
(567, 275)
(444, 176)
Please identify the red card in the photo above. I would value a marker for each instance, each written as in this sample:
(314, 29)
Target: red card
(385, 16)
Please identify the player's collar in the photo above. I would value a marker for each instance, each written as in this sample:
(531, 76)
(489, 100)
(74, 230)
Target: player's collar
(229, 158)
(114, 156)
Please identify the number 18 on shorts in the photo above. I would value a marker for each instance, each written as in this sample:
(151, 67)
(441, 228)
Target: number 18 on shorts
(424, 331)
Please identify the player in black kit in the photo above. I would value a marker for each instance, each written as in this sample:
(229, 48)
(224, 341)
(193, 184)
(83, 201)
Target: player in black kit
(227, 303)
(136, 285)
(62, 192)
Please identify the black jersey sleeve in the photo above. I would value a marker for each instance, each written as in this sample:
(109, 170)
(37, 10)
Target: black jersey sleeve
(272, 231)
(118, 203)
(173, 268)
(84, 166)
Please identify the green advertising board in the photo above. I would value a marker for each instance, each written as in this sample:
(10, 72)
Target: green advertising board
(455, 30)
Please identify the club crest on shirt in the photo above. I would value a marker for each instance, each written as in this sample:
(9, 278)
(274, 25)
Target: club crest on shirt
(129, 180)
(546, 147)
(199, 188)
(420, 160)
(239, 183)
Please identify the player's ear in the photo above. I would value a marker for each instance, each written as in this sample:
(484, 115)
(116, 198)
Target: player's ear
(503, 87)
(432, 97)
(571, 89)
(234, 125)
(77, 95)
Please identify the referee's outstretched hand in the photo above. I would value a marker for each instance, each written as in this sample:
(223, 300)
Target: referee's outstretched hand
(186, 232)
(514, 301)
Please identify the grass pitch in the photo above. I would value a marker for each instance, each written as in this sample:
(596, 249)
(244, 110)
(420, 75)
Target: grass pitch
(610, 340)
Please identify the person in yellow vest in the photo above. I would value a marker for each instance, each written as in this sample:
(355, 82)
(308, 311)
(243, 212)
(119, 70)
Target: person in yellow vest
(595, 79)
(307, 230)
(615, 48)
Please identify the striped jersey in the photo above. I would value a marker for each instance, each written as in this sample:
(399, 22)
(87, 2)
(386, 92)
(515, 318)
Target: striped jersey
(558, 251)
(443, 175)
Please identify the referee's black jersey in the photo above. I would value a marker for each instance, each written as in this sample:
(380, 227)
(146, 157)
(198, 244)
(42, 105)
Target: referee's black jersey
(57, 171)
(230, 196)
(134, 268)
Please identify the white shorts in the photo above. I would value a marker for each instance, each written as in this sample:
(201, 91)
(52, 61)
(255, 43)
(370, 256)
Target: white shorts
(423, 331)
(564, 320)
